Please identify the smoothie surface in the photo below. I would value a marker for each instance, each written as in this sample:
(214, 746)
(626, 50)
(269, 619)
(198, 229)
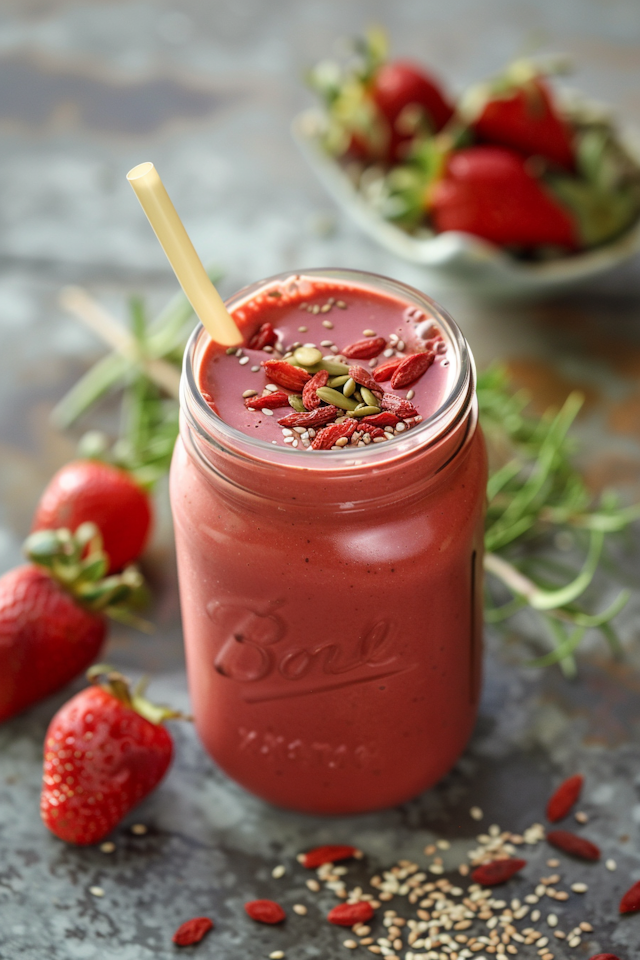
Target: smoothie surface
(329, 317)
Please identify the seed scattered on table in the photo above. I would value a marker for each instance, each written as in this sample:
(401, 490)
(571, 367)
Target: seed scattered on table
(108, 846)
(349, 944)
(327, 324)
(276, 955)
(611, 865)
(96, 891)
(579, 887)
(582, 817)
(476, 813)
(139, 829)
(278, 871)
(300, 909)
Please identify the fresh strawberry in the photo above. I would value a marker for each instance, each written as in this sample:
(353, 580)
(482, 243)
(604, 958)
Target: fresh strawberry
(90, 491)
(489, 192)
(409, 99)
(52, 614)
(104, 751)
(518, 111)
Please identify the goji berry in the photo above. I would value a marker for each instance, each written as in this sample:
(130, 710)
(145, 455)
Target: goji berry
(265, 336)
(314, 418)
(310, 398)
(192, 931)
(325, 438)
(364, 379)
(327, 854)
(265, 911)
(411, 368)
(564, 798)
(604, 956)
(401, 408)
(346, 914)
(386, 370)
(364, 349)
(498, 871)
(285, 374)
(270, 401)
(371, 429)
(384, 419)
(573, 844)
(630, 902)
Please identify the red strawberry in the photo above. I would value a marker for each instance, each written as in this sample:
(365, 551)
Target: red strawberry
(524, 117)
(408, 97)
(90, 491)
(105, 750)
(489, 192)
(52, 616)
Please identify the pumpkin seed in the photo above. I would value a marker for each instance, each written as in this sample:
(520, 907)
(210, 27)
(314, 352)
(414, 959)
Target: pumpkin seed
(369, 397)
(333, 367)
(336, 382)
(365, 411)
(296, 402)
(336, 398)
(349, 387)
(358, 395)
(307, 356)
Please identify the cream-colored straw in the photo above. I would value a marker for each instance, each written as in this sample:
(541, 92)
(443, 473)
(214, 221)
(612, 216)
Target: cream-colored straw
(168, 227)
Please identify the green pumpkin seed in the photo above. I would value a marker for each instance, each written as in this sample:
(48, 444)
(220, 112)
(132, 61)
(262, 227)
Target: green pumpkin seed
(366, 411)
(296, 402)
(333, 367)
(349, 387)
(369, 397)
(336, 398)
(336, 382)
(307, 356)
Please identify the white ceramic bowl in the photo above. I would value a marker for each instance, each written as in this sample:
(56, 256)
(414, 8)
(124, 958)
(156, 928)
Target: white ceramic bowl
(459, 258)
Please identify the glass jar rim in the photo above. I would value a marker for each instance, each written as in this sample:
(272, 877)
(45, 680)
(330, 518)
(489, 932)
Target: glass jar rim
(212, 429)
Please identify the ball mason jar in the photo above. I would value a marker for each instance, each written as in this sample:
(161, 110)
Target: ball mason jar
(332, 603)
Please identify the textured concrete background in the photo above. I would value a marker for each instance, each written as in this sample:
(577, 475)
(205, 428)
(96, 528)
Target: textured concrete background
(207, 91)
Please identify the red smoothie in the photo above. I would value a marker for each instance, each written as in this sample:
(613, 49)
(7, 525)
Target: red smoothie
(330, 563)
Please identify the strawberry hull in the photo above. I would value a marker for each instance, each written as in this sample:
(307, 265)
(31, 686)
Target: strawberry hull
(331, 600)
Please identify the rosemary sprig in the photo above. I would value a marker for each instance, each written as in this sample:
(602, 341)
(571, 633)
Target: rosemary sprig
(535, 493)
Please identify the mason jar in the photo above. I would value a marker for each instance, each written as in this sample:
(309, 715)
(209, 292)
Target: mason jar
(332, 603)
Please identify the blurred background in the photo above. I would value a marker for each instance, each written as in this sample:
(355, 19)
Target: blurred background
(207, 91)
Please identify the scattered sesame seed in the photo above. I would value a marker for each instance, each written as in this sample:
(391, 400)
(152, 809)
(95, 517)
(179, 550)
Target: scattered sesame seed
(582, 817)
(300, 909)
(476, 813)
(553, 863)
(368, 333)
(139, 829)
(611, 865)
(96, 891)
(388, 352)
(278, 871)
(574, 942)
(313, 885)
(314, 309)
(255, 369)
(341, 304)
(552, 920)
(108, 846)
(326, 343)
(276, 955)
(410, 394)
(249, 393)
(327, 324)
(243, 360)
(579, 887)
(267, 412)
(586, 927)
(535, 915)
(302, 329)
(325, 308)
(349, 944)
(271, 388)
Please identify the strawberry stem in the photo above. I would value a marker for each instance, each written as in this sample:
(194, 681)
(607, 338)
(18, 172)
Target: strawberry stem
(118, 686)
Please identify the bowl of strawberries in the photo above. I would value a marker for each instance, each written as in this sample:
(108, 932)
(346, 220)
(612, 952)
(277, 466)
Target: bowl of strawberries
(512, 188)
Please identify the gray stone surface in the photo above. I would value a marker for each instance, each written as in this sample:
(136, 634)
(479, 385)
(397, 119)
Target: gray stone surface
(207, 90)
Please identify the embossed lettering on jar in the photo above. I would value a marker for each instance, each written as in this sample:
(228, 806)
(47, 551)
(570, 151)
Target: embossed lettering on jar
(332, 599)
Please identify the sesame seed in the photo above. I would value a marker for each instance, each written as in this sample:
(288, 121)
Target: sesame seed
(586, 927)
(553, 863)
(368, 333)
(410, 394)
(107, 847)
(276, 955)
(388, 352)
(349, 944)
(267, 412)
(96, 891)
(139, 829)
(325, 308)
(582, 817)
(327, 324)
(476, 813)
(271, 388)
(611, 865)
(552, 920)
(579, 887)
(341, 304)
(561, 895)
(278, 872)
(535, 915)
(314, 309)
(443, 844)
(313, 885)
(574, 942)
(303, 306)
(560, 934)
(302, 329)
(300, 909)
(249, 393)
(243, 360)
(326, 343)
